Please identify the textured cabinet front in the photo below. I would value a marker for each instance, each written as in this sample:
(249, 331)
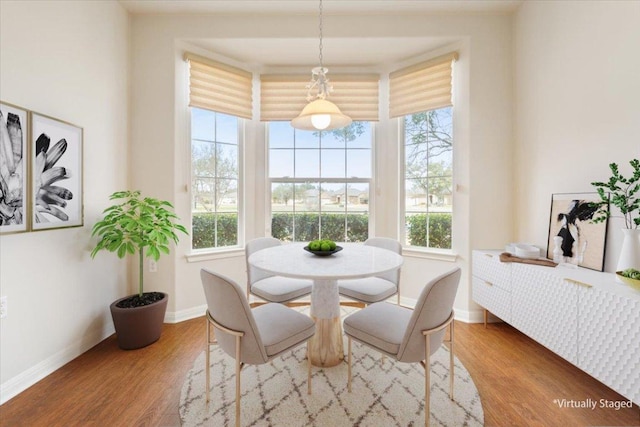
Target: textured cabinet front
(545, 307)
(609, 340)
(488, 267)
(494, 299)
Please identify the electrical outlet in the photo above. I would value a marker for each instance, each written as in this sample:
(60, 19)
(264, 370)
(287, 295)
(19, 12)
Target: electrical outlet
(153, 266)
(3, 307)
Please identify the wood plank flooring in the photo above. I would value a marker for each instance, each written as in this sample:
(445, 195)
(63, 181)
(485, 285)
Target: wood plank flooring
(517, 378)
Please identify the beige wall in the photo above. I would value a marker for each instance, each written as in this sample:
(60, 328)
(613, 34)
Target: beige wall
(67, 60)
(160, 155)
(577, 105)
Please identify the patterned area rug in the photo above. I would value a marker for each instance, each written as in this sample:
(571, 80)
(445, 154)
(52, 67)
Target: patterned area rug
(385, 393)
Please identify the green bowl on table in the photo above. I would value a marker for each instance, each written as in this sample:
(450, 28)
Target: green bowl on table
(323, 247)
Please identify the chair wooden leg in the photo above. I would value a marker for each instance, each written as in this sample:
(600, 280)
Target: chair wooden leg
(308, 370)
(238, 381)
(451, 365)
(349, 365)
(208, 358)
(427, 380)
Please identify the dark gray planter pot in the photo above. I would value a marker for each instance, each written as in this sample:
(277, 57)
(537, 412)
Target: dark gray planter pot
(138, 327)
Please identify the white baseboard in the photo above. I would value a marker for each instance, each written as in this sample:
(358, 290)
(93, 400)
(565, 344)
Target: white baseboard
(16, 385)
(182, 315)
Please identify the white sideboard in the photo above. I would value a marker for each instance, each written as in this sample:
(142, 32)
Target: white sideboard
(584, 316)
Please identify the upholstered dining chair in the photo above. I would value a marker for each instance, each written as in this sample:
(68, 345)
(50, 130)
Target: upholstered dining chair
(270, 287)
(250, 336)
(409, 335)
(378, 288)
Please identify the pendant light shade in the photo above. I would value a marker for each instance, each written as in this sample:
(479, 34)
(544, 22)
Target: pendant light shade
(320, 113)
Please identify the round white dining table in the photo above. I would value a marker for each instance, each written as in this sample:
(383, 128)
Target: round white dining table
(353, 262)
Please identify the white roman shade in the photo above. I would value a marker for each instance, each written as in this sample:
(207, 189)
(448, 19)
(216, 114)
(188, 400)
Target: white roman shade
(283, 96)
(421, 87)
(219, 87)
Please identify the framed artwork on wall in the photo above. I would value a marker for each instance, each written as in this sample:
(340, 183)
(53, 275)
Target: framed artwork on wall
(56, 173)
(14, 192)
(573, 237)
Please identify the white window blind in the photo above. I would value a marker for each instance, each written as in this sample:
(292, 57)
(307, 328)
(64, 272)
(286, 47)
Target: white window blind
(421, 87)
(219, 87)
(283, 96)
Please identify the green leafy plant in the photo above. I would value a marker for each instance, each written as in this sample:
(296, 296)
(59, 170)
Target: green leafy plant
(625, 195)
(142, 225)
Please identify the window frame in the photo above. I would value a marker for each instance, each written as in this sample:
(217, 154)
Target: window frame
(269, 181)
(201, 253)
(445, 254)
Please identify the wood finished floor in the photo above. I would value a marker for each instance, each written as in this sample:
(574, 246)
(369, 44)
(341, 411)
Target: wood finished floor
(517, 378)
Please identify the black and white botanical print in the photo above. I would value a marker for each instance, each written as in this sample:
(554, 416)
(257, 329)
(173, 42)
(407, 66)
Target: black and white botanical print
(13, 173)
(56, 171)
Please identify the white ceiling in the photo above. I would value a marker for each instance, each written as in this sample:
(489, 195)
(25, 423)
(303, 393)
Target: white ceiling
(337, 52)
(311, 6)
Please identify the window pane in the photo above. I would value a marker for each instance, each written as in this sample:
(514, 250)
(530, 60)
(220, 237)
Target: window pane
(227, 195)
(359, 163)
(282, 226)
(357, 227)
(307, 139)
(226, 128)
(227, 161)
(359, 135)
(307, 163)
(333, 164)
(227, 229)
(307, 197)
(280, 163)
(204, 194)
(282, 197)
(358, 200)
(306, 227)
(280, 135)
(203, 159)
(333, 197)
(333, 139)
(333, 226)
(203, 124)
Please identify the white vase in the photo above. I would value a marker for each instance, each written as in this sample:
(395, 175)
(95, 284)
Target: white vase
(630, 253)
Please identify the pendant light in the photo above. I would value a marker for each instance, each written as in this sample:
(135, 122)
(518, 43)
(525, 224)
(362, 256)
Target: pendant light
(320, 113)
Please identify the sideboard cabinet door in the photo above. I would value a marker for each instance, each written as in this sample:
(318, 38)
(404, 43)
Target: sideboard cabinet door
(609, 339)
(545, 307)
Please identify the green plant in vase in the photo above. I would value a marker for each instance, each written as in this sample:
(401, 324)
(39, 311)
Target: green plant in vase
(624, 193)
(137, 225)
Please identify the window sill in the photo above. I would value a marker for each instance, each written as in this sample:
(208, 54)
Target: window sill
(212, 254)
(434, 254)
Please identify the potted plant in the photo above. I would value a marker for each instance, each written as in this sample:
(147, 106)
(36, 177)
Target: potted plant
(142, 226)
(624, 193)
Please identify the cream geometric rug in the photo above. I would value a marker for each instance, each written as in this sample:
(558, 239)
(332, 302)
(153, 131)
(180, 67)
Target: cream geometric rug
(383, 394)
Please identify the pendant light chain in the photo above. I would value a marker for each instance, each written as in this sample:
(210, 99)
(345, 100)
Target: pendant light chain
(320, 33)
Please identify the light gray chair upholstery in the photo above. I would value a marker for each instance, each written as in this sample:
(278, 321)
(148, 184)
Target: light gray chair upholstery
(250, 336)
(378, 288)
(268, 286)
(409, 335)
